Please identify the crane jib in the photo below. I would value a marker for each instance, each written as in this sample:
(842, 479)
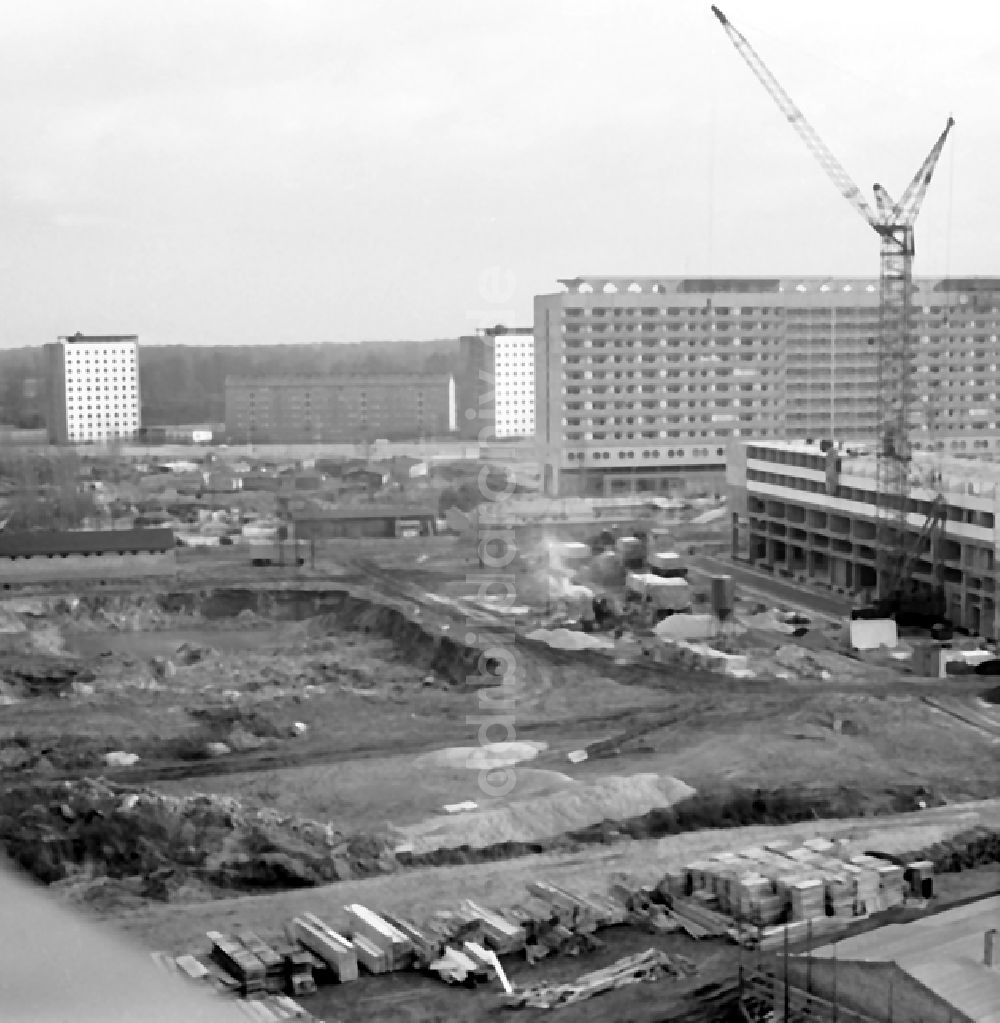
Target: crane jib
(898, 407)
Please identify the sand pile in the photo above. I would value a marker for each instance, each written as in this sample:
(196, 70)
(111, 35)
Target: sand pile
(567, 639)
(530, 820)
(482, 758)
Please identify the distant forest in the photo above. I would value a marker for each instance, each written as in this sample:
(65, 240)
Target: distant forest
(186, 384)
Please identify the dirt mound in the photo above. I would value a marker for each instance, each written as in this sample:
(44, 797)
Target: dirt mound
(163, 845)
(567, 639)
(543, 817)
(44, 676)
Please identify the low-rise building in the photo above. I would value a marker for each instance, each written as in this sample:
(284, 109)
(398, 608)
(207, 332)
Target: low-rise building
(54, 555)
(367, 521)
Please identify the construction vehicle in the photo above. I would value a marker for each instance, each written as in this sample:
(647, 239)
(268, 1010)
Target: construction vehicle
(898, 410)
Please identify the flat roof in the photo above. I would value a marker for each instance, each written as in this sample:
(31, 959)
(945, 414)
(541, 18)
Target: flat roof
(367, 380)
(92, 339)
(368, 511)
(765, 285)
(943, 952)
(858, 459)
(83, 541)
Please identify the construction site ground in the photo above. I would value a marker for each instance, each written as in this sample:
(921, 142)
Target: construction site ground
(338, 695)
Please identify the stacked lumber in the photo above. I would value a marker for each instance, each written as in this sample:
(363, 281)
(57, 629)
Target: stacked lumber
(570, 910)
(238, 962)
(274, 964)
(427, 946)
(298, 963)
(499, 933)
(808, 899)
(698, 920)
(646, 966)
(274, 1009)
(395, 946)
(448, 925)
(333, 948)
(370, 956)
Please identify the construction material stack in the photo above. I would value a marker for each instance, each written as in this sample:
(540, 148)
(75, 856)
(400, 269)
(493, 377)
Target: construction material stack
(333, 948)
(274, 964)
(381, 947)
(239, 963)
(499, 933)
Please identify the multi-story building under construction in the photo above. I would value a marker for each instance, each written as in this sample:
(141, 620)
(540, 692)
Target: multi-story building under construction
(808, 512)
(642, 382)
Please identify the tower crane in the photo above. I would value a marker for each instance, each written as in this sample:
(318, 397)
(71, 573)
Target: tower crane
(893, 223)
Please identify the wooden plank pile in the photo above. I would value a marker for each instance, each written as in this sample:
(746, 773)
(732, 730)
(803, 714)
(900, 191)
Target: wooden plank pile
(333, 948)
(645, 966)
(698, 919)
(381, 947)
(427, 945)
(239, 963)
(499, 934)
(274, 1009)
(299, 964)
(274, 964)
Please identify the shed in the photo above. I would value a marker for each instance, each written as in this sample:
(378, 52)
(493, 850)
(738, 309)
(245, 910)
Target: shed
(366, 520)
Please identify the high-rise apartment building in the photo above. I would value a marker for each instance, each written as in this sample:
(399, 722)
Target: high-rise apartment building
(495, 382)
(641, 382)
(93, 388)
(348, 410)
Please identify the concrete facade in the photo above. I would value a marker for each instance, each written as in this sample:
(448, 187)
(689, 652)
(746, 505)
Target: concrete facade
(93, 389)
(643, 381)
(495, 382)
(291, 410)
(810, 515)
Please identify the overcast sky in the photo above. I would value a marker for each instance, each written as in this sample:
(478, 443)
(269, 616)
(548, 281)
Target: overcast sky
(243, 171)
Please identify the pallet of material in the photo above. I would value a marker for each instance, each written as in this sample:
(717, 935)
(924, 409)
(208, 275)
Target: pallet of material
(298, 965)
(450, 925)
(191, 967)
(612, 912)
(566, 907)
(274, 964)
(499, 934)
(233, 957)
(333, 948)
(396, 946)
(370, 956)
(427, 946)
(699, 921)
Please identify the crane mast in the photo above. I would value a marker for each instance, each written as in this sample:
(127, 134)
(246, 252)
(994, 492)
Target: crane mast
(897, 406)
